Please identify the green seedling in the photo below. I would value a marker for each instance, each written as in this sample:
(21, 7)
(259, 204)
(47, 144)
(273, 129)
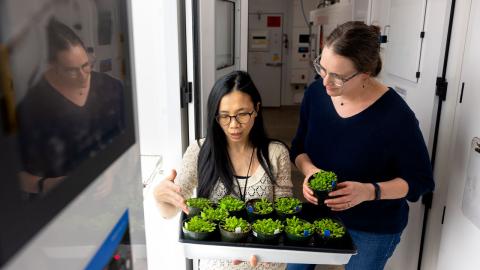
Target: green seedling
(200, 203)
(214, 215)
(299, 227)
(234, 224)
(268, 226)
(262, 207)
(323, 181)
(288, 205)
(231, 203)
(197, 224)
(329, 228)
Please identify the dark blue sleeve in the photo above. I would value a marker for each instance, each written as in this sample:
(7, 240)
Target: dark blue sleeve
(299, 139)
(413, 160)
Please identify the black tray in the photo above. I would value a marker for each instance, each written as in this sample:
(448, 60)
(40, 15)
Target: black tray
(334, 252)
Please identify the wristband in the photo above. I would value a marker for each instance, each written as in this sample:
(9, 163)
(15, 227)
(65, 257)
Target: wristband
(378, 191)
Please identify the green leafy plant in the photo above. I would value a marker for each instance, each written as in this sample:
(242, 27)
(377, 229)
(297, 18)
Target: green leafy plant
(268, 226)
(324, 181)
(198, 224)
(329, 228)
(288, 205)
(234, 224)
(214, 215)
(299, 227)
(231, 203)
(262, 207)
(200, 203)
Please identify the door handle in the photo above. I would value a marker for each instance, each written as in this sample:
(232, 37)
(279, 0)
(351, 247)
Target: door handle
(273, 64)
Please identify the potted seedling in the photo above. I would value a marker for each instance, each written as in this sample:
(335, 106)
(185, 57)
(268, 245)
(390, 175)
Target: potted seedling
(233, 205)
(234, 229)
(196, 205)
(329, 230)
(267, 230)
(259, 208)
(214, 214)
(197, 228)
(298, 230)
(322, 183)
(287, 207)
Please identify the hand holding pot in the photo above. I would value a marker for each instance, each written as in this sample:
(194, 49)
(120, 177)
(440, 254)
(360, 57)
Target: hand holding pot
(348, 194)
(307, 191)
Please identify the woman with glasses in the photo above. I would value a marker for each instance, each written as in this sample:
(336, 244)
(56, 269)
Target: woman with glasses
(236, 158)
(68, 115)
(354, 125)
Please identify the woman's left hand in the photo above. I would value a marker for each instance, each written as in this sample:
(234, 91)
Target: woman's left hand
(349, 194)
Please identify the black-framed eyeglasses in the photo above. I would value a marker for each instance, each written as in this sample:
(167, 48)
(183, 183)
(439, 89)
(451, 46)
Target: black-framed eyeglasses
(241, 118)
(73, 72)
(337, 80)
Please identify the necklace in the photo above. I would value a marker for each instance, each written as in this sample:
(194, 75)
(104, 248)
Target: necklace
(243, 196)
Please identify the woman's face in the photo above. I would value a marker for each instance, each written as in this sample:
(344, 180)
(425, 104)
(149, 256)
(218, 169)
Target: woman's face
(339, 68)
(73, 67)
(238, 104)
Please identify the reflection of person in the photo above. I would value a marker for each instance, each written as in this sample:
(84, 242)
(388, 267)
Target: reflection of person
(69, 114)
(235, 158)
(355, 126)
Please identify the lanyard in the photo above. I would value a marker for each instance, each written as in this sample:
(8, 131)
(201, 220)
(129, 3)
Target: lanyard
(244, 195)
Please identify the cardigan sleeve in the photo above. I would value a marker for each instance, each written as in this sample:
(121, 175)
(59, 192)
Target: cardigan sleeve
(187, 178)
(282, 170)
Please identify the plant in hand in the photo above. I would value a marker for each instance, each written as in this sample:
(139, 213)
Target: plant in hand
(214, 215)
(198, 224)
(231, 204)
(329, 228)
(324, 181)
(288, 205)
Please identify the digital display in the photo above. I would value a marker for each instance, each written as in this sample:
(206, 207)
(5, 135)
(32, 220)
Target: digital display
(303, 38)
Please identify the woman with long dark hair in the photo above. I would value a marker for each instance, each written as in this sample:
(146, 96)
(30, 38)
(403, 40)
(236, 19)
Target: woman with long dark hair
(236, 157)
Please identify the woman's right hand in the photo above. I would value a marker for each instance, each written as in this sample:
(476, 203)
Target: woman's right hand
(307, 191)
(168, 192)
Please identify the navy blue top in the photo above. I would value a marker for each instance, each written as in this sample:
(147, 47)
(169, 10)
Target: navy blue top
(57, 135)
(378, 144)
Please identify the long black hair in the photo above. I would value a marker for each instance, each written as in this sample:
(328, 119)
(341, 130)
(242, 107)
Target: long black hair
(213, 160)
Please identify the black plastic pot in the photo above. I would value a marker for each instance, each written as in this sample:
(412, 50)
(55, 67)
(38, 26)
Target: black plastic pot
(267, 238)
(228, 236)
(296, 239)
(195, 211)
(198, 235)
(252, 216)
(283, 216)
(321, 195)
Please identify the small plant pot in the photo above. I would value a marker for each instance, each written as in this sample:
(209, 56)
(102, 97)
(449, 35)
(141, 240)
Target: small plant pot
(252, 215)
(231, 206)
(323, 235)
(296, 239)
(235, 237)
(197, 235)
(322, 195)
(283, 216)
(328, 242)
(267, 238)
(194, 211)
